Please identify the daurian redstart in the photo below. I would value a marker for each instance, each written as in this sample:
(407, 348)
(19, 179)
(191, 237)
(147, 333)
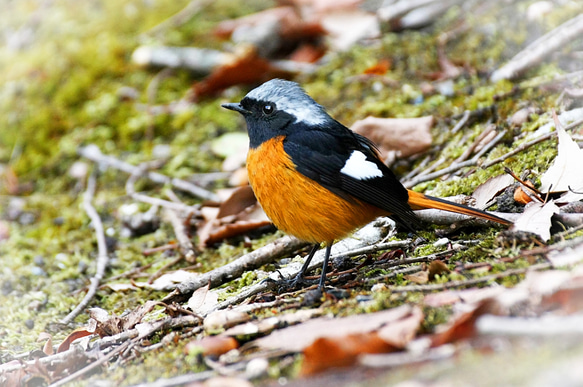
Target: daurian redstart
(315, 178)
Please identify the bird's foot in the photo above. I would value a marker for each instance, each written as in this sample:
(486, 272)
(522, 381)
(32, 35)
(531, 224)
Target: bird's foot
(290, 284)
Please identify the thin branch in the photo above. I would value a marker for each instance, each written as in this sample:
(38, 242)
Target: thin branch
(540, 49)
(186, 247)
(93, 153)
(230, 271)
(102, 256)
(456, 166)
(470, 282)
(179, 18)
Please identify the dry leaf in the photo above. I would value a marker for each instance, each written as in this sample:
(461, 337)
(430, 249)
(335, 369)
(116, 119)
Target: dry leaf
(363, 25)
(211, 345)
(399, 333)
(421, 277)
(202, 300)
(296, 338)
(327, 353)
(536, 219)
(380, 68)
(237, 215)
(521, 194)
(400, 136)
(76, 334)
(491, 188)
(565, 173)
(463, 326)
(48, 347)
(245, 68)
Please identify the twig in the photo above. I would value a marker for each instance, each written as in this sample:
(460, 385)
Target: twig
(151, 92)
(186, 247)
(470, 282)
(464, 156)
(179, 18)
(102, 256)
(456, 166)
(141, 170)
(93, 153)
(460, 124)
(540, 49)
(518, 149)
(402, 359)
(93, 365)
(250, 261)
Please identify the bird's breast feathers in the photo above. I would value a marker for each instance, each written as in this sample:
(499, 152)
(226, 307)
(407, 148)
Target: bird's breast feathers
(299, 205)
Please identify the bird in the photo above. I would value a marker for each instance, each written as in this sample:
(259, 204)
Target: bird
(318, 180)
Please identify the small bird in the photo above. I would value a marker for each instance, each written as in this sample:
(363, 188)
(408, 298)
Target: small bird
(318, 180)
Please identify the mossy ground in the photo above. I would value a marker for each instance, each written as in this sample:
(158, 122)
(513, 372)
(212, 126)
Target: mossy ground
(60, 90)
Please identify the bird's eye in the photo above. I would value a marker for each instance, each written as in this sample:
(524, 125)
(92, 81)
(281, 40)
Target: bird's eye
(268, 108)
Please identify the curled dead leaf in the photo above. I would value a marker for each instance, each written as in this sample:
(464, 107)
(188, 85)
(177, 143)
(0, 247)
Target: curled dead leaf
(237, 215)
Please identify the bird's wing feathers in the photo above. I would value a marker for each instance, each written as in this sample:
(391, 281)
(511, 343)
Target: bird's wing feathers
(348, 165)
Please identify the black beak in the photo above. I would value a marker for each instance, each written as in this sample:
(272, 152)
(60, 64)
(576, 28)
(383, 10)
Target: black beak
(236, 107)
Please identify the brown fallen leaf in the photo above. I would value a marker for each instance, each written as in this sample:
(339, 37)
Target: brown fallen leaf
(399, 333)
(237, 215)
(326, 353)
(290, 25)
(298, 337)
(211, 345)
(400, 137)
(463, 326)
(520, 194)
(108, 325)
(76, 334)
(246, 67)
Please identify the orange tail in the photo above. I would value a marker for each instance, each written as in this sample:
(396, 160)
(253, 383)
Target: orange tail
(418, 201)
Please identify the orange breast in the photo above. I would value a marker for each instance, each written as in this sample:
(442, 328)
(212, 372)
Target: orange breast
(297, 204)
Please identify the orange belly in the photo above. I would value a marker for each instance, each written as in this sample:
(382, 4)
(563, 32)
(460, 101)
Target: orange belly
(298, 205)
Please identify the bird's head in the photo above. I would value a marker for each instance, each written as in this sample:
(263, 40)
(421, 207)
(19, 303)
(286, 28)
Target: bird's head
(277, 108)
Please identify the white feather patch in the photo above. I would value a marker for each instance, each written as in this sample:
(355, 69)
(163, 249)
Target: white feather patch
(360, 168)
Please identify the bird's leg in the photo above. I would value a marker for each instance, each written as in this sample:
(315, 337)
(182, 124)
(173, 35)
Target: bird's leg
(325, 267)
(304, 268)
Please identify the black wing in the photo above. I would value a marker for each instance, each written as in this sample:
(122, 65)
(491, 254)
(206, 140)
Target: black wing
(321, 154)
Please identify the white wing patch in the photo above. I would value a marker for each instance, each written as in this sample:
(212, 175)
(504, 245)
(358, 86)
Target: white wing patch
(358, 167)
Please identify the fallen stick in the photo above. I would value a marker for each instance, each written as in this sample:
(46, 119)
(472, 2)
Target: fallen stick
(540, 49)
(102, 256)
(93, 153)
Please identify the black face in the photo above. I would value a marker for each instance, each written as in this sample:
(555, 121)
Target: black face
(264, 120)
